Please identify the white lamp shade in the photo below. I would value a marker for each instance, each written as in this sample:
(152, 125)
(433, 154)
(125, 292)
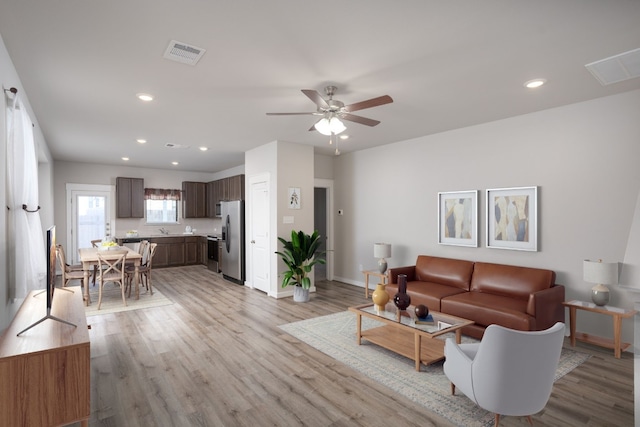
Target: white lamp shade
(604, 273)
(382, 250)
(329, 126)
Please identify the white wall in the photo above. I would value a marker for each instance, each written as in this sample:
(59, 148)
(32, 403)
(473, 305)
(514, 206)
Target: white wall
(288, 165)
(259, 163)
(9, 78)
(323, 166)
(584, 158)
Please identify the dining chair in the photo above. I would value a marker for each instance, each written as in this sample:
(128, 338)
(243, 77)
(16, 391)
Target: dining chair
(69, 272)
(111, 268)
(144, 270)
(95, 244)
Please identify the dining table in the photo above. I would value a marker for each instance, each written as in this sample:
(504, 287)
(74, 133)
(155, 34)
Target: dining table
(89, 259)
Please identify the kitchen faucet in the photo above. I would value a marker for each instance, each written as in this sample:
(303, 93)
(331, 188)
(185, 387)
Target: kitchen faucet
(163, 231)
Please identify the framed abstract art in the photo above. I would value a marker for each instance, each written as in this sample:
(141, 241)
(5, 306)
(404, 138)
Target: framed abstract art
(458, 218)
(512, 218)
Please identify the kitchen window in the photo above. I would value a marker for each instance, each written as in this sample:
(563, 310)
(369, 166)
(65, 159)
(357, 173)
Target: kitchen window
(161, 205)
(162, 211)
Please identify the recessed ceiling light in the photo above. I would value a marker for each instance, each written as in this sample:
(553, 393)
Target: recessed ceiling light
(203, 148)
(175, 163)
(144, 97)
(126, 159)
(532, 84)
(344, 136)
(141, 141)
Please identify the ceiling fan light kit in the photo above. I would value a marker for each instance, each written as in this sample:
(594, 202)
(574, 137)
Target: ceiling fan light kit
(329, 126)
(334, 111)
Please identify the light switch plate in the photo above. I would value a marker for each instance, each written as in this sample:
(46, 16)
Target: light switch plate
(287, 220)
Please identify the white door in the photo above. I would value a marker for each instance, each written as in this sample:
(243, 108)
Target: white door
(259, 238)
(89, 216)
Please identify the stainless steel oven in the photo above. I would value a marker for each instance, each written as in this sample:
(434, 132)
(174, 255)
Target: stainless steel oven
(212, 253)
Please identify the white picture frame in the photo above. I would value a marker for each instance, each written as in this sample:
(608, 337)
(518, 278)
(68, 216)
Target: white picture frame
(512, 218)
(294, 200)
(458, 218)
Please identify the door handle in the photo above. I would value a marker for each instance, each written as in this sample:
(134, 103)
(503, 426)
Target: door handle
(253, 241)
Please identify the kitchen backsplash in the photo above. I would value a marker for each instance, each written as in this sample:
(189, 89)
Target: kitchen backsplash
(201, 226)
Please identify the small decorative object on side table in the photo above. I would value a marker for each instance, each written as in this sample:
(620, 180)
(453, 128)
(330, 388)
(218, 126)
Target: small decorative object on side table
(617, 313)
(382, 251)
(602, 274)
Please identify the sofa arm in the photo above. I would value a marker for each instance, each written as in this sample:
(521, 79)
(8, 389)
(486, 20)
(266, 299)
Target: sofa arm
(546, 306)
(409, 270)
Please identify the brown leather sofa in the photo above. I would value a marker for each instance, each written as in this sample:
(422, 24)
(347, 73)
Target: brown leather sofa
(521, 298)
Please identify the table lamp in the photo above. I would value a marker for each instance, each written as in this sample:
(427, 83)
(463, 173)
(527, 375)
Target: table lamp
(602, 274)
(382, 251)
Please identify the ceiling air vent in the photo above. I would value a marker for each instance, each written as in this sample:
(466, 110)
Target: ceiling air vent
(182, 52)
(616, 68)
(176, 146)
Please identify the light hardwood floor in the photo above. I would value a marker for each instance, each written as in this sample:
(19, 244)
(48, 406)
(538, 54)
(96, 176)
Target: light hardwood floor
(216, 357)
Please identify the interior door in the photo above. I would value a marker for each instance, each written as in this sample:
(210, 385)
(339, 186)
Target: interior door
(90, 216)
(259, 239)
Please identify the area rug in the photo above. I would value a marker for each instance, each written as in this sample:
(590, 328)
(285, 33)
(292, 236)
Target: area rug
(112, 300)
(335, 335)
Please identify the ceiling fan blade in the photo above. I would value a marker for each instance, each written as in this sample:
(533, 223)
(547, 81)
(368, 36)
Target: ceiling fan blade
(359, 119)
(315, 96)
(373, 102)
(292, 114)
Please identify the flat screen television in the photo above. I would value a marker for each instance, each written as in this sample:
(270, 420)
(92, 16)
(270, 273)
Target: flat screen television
(50, 286)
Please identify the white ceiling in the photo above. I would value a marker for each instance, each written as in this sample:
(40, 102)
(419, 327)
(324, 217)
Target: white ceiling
(446, 64)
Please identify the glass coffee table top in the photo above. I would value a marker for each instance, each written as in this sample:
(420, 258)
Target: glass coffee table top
(437, 322)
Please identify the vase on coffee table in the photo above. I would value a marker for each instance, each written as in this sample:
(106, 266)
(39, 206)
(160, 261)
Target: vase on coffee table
(380, 296)
(402, 300)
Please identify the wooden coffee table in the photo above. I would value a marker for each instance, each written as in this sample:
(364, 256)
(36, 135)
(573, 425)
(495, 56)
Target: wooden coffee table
(402, 335)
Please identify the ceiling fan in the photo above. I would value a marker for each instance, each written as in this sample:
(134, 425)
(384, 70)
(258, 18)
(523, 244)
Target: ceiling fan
(333, 110)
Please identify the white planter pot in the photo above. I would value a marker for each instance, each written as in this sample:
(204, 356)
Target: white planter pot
(300, 294)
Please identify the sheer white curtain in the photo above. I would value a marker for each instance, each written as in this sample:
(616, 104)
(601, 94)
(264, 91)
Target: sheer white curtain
(27, 261)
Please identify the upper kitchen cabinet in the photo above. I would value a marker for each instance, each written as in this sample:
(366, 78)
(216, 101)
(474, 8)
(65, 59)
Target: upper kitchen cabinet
(194, 199)
(130, 197)
(236, 187)
(223, 190)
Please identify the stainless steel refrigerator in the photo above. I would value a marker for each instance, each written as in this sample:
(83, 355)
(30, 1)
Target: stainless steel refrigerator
(233, 241)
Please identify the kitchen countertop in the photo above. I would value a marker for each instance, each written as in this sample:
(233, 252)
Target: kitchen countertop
(158, 235)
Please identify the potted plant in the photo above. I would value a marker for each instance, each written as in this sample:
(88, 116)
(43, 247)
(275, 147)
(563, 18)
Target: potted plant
(300, 255)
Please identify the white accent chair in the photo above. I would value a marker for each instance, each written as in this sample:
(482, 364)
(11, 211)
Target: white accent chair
(509, 372)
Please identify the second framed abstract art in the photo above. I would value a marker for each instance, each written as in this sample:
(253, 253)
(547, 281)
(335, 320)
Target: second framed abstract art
(512, 218)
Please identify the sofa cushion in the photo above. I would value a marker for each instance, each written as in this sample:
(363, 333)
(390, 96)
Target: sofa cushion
(427, 293)
(510, 281)
(486, 309)
(446, 271)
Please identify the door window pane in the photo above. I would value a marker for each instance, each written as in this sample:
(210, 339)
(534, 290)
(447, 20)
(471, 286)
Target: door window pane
(92, 216)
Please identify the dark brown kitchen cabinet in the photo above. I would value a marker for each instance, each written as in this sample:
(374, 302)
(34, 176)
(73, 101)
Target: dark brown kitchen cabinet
(191, 250)
(211, 199)
(202, 252)
(130, 197)
(222, 190)
(194, 199)
(170, 251)
(235, 187)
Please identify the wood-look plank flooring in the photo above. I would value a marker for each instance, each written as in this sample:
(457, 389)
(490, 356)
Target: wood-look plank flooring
(216, 357)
